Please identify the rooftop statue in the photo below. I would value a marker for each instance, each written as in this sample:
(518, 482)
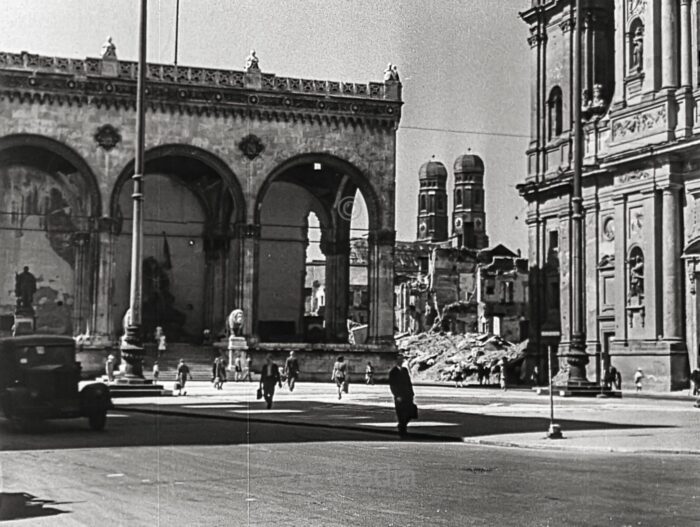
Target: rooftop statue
(391, 73)
(109, 50)
(252, 62)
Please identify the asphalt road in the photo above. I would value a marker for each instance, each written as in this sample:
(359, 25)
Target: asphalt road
(169, 470)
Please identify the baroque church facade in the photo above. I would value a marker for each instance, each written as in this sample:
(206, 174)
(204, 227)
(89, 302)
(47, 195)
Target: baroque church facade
(640, 184)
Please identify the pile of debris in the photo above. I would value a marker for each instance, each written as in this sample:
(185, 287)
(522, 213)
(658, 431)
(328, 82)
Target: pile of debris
(467, 358)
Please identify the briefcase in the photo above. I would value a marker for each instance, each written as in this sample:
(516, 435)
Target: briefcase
(413, 411)
(259, 394)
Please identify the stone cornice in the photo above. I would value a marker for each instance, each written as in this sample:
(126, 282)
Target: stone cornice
(51, 80)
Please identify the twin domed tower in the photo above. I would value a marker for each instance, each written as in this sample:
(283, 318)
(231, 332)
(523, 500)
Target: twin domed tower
(468, 216)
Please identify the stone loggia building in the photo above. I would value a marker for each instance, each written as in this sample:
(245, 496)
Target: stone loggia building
(641, 184)
(235, 161)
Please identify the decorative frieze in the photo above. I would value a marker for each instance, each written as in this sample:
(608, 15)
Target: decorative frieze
(639, 125)
(636, 175)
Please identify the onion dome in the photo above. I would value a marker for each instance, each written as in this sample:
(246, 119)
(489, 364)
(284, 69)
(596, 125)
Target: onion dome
(468, 163)
(432, 170)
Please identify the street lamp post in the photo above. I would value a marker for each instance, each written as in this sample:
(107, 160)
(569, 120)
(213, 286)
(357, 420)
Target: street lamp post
(577, 357)
(131, 346)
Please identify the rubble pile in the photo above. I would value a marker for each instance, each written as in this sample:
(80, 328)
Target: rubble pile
(449, 357)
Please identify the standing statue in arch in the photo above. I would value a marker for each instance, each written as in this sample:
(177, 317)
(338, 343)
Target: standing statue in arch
(636, 263)
(25, 287)
(638, 49)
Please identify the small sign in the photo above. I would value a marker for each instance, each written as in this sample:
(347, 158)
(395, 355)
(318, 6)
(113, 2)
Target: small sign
(550, 333)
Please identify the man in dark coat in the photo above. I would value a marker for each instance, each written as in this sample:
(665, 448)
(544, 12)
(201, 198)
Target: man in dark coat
(402, 390)
(269, 377)
(291, 370)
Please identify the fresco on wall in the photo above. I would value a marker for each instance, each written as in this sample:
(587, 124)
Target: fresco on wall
(39, 212)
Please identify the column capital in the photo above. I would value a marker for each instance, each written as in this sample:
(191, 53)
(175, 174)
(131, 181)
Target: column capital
(669, 187)
(382, 237)
(247, 230)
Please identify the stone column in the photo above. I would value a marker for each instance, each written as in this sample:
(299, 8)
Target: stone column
(84, 279)
(103, 311)
(249, 276)
(381, 287)
(337, 285)
(686, 45)
(669, 43)
(670, 263)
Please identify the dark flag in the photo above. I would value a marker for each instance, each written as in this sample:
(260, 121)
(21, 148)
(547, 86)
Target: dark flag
(167, 262)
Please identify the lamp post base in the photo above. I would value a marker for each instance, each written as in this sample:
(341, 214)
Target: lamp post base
(554, 432)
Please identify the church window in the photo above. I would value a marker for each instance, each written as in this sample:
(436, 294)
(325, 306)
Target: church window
(423, 205)
(477, 196)
(468, 198)
(554, 113)
(440, 203)
(458, 197)
(431, 203)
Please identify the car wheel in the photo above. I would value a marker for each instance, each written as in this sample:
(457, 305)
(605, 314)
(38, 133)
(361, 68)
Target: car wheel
(98, 419)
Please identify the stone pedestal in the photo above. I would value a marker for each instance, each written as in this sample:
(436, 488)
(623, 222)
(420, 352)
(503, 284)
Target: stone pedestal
(236, 345)
(24, 324)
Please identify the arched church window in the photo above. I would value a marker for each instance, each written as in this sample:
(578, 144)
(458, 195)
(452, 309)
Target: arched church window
(431, 203)
(458, 197)
(636, 46)
(477, 196)
(423, 205)
(554, 113)
(440, 203)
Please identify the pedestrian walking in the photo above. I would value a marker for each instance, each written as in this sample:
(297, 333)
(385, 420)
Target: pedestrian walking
(109, 368)
(369, 373)
(248, 369)
(219, 373)
(269, 378)
(291, 370)
(340, 375)
(156, 371)
(183, 373)
(160, 341)
(504, 381)
(695, 382)
(638, 376)
(237, 369)
(402, 390)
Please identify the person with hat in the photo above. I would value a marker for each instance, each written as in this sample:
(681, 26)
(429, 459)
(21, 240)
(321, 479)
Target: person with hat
(638, 376)
(402, 390)
(269, 377)
(183, 372)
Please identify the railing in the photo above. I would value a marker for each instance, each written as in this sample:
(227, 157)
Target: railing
(188, 75)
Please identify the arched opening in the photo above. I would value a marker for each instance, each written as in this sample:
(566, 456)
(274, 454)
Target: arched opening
(313, 216)
(554, 113)
(49, 205)
(635, 46)
(191, 201)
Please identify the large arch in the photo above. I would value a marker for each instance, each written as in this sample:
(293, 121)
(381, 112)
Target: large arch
(196, 203)
(205, 157)
(50, 204)
(356, 175)
(326, 185)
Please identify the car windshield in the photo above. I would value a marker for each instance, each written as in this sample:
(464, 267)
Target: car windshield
(45, 355)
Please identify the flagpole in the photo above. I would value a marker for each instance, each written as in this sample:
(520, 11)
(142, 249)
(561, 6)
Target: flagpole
(131, 346)
(177, 26)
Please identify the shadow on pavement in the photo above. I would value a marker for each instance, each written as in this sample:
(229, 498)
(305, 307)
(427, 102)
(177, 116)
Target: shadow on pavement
(289, 422)
(20, 505)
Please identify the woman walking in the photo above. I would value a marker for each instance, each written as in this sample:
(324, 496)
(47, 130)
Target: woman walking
(340, 374)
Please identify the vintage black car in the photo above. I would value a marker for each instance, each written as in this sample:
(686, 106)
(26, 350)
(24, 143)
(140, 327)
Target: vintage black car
(39, 379)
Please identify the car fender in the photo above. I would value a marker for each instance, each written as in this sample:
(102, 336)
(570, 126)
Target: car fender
(95, 397)
(14, 399)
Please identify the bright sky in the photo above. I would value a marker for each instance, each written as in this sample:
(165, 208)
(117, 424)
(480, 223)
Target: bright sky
(464, 65)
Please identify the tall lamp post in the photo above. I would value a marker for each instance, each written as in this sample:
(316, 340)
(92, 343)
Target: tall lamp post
(131, 346)
(577, 357)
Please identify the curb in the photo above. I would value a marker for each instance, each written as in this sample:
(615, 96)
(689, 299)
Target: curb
(421, 436)
(179, 413)
(568, 448)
